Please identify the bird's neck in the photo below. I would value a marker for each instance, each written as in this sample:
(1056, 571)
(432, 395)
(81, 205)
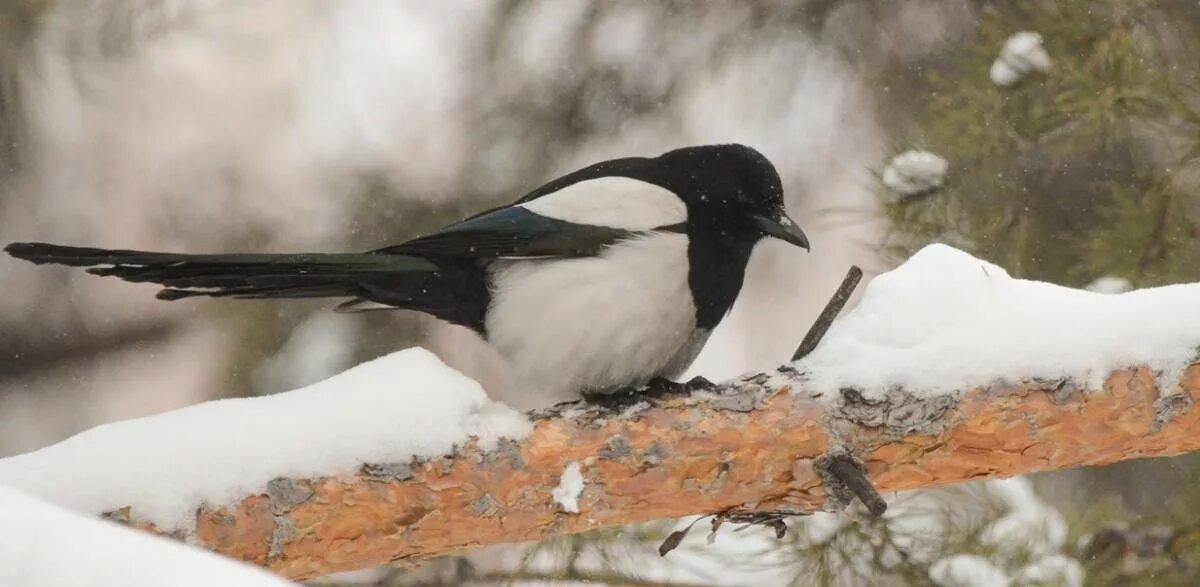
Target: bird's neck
(717, 259)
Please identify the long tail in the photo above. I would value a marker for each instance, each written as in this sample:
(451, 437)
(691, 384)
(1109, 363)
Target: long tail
(253, 276)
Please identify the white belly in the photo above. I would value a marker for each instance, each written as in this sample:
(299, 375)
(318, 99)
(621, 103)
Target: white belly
(594, 324)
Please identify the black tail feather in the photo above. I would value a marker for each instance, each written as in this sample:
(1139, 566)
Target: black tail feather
(230, 275)
(452, 289)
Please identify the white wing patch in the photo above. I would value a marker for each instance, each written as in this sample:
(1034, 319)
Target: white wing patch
(615, 202)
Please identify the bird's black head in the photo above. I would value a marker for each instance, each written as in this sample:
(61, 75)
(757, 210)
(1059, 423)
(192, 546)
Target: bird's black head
(732, 189)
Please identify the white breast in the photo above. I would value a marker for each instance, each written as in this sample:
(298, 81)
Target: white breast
(594, 324)
(616, 202)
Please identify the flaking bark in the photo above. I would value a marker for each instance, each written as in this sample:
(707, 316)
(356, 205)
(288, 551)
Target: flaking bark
(749, 447)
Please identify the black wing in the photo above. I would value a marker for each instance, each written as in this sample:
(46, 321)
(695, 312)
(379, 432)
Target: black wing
(515, 232)
(512, 232)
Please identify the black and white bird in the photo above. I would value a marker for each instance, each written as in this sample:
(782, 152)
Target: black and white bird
(606, 278)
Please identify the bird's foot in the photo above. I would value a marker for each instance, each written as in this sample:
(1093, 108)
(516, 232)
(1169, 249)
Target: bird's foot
(657, 388)
(614, 400)
(662, 387)
(699, 383)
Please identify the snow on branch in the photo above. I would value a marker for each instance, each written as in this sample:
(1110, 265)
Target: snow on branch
(45, 545)
(948, 370)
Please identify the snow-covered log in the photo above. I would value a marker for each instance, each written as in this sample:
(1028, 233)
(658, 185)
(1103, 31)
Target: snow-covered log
(948, 370)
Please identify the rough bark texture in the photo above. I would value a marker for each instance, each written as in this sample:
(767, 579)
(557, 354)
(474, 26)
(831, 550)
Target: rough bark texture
(751, 446)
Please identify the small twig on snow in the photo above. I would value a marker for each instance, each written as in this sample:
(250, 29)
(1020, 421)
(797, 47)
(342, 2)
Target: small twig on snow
(841, 473)
(825, 319)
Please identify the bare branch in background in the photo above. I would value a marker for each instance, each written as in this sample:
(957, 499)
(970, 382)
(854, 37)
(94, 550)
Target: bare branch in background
(20, 357)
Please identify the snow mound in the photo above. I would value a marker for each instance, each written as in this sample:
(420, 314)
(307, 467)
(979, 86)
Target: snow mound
(946, 321)
(46, 546)
(404, 405)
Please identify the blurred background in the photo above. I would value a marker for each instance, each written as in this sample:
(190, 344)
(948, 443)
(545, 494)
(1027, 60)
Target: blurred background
(1067, 153)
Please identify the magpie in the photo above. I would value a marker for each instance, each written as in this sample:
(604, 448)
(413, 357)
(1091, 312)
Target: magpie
(604, 279)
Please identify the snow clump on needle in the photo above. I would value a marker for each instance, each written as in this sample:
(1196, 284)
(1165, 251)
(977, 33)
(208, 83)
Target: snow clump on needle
(967, 570)
(1022, 53)
(914, 172)
(1109, 285)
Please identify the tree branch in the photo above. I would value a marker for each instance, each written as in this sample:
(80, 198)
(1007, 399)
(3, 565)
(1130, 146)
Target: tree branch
(829, 313)
(752, 446)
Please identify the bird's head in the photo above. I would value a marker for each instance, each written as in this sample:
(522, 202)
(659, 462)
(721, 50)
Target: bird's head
(732, 188)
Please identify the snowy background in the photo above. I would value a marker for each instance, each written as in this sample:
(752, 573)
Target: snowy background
(289, 125)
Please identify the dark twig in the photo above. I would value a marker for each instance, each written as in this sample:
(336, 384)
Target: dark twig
(772, 520)
(846, 479)
(825, 320)
(675, 538)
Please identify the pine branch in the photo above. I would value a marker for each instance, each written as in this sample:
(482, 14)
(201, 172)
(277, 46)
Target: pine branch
(750, 447)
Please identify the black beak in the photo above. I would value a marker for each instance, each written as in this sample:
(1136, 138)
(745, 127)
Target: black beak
(784, 229)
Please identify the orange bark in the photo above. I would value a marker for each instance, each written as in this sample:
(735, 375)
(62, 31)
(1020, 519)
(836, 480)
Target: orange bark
(752, 447)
